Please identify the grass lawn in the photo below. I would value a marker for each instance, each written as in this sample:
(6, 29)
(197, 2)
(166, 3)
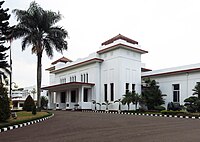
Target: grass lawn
(24, 116)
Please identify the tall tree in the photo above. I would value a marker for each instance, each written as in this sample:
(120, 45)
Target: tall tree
(152, 95)
(5, 32)
(37, 28)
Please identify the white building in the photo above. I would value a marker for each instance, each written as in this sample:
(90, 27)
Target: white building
(19, 96)
(176, 83)
(104, 75)
(111, 71)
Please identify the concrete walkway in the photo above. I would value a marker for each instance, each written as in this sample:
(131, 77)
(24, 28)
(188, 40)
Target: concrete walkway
(95, 127)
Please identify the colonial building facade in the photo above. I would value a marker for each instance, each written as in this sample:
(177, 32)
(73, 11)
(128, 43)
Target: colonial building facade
(110, 72)
(102, 76)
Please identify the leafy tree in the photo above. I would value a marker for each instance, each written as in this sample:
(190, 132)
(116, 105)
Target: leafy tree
(128, 99)
(107, 104)
(151, 94)
(197, 90)
(95, 104)
(44, 102)
(28, 104)
(36, 27)
(4, 104)
(193, 103)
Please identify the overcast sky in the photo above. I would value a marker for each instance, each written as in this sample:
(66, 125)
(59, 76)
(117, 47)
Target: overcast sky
(168, 29)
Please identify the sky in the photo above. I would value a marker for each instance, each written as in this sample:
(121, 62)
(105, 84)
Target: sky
(168, 29)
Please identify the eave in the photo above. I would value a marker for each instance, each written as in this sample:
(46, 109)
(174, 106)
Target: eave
(90, 61)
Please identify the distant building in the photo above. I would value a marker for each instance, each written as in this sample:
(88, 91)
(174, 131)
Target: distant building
(19, 95)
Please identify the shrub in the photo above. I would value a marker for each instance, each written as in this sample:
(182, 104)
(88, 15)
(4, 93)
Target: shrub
(175, 106)
(170, 112)
(28, 104)
(159, 108)
(34, 112)
(4, 104)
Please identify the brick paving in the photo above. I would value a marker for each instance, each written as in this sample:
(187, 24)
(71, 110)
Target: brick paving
(68, 126)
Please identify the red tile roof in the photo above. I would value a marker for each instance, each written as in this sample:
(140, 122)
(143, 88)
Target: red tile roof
(173, 72)
(122, 46)
(63, 59)
(119, 37)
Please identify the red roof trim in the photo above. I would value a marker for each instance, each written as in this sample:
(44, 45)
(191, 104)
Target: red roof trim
(63, 59)
(50, 68)
(145, 69)
(119, 37)
(97, 59)
(174, 72)
(118, 45)
(68, 83)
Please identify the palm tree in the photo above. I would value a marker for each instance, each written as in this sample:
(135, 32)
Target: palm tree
(128, 99)
(118, 101)
(36, 27)
(95, 103)
(197, 90)
(107, 104)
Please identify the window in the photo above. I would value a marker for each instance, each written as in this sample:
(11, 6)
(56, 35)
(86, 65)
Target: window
(176, 92)
(111, 91)
(127, 87)
(21, 105)
(84, 78)
(133, 87)
(81, 78)
(62, 80)
(63, 97)
(105, 92)
(85, 95)
(87, 77)
(74, 78)
(73, 96)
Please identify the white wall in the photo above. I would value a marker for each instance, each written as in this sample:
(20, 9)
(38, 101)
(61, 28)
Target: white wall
(187, 82)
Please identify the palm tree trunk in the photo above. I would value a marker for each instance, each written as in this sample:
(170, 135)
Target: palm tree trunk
(39, 77)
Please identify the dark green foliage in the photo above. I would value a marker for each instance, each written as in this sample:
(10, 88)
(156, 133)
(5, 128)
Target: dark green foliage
(128, 98)
(4, 104)
(37, 29)
(44, 102)
(28, 104)
(193, 103)
(174, 106)
(159, 108)
(5, 32)
(151, 94)
(197, 90)
(34, 112)
(170, 112)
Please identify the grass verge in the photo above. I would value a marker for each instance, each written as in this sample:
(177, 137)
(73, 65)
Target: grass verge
(23, 116)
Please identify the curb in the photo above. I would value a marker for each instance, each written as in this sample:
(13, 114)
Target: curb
(24, 124)
(144, 114)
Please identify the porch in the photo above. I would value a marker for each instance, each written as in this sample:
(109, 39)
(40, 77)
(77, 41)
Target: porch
(72, 95)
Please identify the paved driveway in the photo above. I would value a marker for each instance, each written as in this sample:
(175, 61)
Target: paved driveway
(95, 127)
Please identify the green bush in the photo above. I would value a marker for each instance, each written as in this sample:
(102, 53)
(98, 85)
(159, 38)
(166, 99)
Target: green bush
(159, 108)
(170, 112)
(28, 104)
(4, 104)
